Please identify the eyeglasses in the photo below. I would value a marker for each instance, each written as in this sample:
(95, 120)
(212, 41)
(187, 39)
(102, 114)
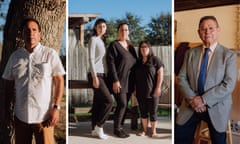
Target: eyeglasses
(144, 46)
(205, 29)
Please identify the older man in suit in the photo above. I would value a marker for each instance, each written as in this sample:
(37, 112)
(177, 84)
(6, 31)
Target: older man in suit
(206, 80)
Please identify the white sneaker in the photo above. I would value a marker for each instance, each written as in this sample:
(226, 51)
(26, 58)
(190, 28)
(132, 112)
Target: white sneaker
(99, 132)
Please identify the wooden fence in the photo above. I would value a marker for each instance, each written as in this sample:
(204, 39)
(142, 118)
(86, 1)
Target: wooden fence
(78, 68)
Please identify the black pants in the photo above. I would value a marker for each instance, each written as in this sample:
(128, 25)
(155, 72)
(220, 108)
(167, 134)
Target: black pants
(120, 111)
(24, 133)
(102, 102)
(148, 106)
(184, 134)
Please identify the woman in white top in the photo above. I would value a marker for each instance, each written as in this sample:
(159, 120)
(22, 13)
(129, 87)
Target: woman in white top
(102, 100)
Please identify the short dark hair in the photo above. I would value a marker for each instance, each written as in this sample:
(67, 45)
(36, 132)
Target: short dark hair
(208, 18)
(26, 20)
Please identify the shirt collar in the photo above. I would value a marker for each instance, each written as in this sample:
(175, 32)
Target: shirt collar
(212, 47)
(37, 48)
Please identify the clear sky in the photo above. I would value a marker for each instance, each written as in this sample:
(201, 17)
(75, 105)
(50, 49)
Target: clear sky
(118, 8)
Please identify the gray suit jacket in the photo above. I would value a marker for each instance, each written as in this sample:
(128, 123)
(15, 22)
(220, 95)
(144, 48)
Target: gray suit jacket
(220, 82)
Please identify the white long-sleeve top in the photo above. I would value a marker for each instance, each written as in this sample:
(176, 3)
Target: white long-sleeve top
(96, 52)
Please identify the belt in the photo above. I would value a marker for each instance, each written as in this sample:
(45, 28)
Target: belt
(101, 74)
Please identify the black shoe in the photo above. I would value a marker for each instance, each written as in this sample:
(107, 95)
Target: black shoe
(123, 131)
(120, 133)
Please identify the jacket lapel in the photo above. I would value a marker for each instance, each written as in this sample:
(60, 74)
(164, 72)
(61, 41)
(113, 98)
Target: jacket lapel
(214, 61)
(196, 58)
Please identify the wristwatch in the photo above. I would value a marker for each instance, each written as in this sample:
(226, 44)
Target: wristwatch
(58, 107)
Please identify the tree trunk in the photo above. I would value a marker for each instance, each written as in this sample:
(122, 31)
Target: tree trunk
(51, 15)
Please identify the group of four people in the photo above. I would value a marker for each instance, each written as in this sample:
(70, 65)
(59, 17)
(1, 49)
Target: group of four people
(120, 72)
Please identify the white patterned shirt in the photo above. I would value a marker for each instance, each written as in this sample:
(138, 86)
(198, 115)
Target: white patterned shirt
(33, 73)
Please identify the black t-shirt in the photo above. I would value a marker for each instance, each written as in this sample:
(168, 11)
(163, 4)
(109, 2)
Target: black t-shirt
(146, 76)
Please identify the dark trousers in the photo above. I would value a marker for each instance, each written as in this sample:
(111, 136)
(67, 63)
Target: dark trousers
(120, 111)
(148, 106)
(24, 133)
(184, 134)
(102, 103)
(125, 113)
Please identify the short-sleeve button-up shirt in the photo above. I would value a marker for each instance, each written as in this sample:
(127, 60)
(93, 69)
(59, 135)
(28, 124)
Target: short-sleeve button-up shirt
(33, 73)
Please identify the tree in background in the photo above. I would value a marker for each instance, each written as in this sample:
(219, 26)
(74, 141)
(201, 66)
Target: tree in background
(137, 32)
(51, 15)
(3, 12)
(111, 31)
(159, 30)
(88, 31)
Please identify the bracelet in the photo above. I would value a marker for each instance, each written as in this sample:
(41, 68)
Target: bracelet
(58, 107)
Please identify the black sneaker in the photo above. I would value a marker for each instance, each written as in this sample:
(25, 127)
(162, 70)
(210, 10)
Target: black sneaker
(119, 133)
